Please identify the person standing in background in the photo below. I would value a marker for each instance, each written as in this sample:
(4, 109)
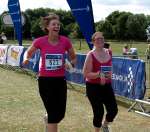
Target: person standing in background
(125, 50)
(106, 45)
(3, 38)
(147, 52)
(98, 83)
(51, 80)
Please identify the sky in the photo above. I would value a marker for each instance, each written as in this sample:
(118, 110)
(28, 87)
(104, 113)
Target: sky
(101, 8)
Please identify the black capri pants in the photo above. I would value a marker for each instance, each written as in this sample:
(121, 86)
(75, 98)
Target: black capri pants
(98, 96)
(53, 91)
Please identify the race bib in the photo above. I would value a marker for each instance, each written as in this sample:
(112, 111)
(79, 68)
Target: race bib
(105, 69)
(53, 61)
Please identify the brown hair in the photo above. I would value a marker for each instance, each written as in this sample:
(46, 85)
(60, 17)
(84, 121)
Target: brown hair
(96, 33)
(45, 20)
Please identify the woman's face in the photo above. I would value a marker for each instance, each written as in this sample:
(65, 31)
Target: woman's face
(54, 26)
(98, 41)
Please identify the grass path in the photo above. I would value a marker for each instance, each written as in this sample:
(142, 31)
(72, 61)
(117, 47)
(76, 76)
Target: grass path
(21, 109)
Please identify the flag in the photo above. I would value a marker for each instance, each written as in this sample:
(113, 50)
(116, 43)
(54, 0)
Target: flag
(83, 13)
(15, 13)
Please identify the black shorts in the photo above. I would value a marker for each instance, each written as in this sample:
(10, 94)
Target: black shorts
(98, 96)
(53, 91)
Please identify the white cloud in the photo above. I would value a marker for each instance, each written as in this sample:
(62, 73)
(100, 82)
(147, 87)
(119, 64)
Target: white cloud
(3, 6)
(101, 8)
(112, 2)
(56, 4)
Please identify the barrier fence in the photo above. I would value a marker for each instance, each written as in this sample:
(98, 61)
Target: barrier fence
(130, 77)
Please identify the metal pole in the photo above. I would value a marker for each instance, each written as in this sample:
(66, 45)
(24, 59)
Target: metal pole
(14, 34)
(46, 121)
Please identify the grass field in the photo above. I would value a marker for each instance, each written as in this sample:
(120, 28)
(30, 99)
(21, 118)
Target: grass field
(115, 45)
(22, 110)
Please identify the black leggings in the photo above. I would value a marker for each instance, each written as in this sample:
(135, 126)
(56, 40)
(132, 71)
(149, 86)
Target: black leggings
(98, 96)
(53, 91)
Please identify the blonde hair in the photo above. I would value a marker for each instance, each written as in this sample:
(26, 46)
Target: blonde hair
(95, 34)
(45, 20)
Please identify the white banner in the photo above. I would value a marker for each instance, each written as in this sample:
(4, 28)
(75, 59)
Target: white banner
(3, 53)
(14, 55)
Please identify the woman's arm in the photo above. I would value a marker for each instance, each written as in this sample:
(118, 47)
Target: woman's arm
(29, 54)
(87, 68)
(72, 56)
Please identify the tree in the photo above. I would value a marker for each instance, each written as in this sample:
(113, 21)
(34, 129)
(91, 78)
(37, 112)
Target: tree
(99, 25)
(106, 28)
(120, 29)
(76, 31)
(36, 30)
(112, 18)
(26, 27)
(136, 25)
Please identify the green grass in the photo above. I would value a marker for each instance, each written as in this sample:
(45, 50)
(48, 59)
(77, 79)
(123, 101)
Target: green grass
(116, 46)
(22, 110)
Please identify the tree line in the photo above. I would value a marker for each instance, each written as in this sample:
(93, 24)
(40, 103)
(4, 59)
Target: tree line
(117, 25)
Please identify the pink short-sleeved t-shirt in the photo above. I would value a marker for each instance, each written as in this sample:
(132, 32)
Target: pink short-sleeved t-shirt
(52, 56)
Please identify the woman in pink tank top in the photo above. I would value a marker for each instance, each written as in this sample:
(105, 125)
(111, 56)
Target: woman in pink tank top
(97, 72)
(51, 80)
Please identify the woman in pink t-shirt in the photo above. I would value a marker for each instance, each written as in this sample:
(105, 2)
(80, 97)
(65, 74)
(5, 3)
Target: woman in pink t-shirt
(97, 71)
(51, 81)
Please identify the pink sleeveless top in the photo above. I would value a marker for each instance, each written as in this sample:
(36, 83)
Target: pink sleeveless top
(96, 67)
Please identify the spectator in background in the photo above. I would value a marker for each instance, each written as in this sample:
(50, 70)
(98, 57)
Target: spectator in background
(1, 41)
(51, 81)
(147, 52)
(106, 45)
(98, 83)
(125, 50)
(133, 53)
(3, 38)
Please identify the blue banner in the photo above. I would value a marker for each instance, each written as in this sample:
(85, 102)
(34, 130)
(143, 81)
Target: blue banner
(128, 77)
(33, 62)
(76, 76)
(15, 13)
(83, 13)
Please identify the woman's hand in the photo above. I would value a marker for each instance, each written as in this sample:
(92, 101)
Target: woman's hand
(68, 65)
(25, 62)
(108, 75)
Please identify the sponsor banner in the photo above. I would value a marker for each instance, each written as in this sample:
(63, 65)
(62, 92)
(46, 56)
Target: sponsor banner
(83, 13)
(128, 76)
(76, 75)
(3, 54)
(14, 55)
(15, 13)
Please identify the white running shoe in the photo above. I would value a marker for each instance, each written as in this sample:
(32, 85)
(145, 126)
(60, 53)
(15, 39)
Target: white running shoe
(105, 128)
